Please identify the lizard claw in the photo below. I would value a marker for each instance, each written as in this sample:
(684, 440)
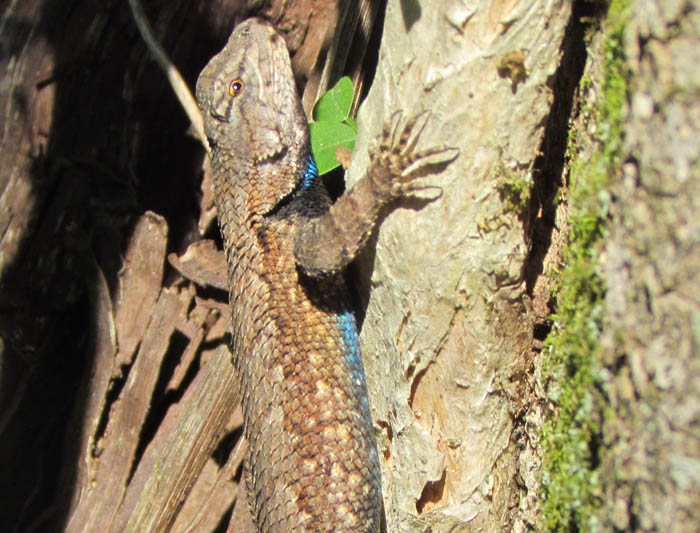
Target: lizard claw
(388, 140)
(412, 132)
(440, 155)
(410, 187)
(396, 164)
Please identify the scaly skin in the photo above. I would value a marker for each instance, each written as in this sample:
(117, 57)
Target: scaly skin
(312, 461)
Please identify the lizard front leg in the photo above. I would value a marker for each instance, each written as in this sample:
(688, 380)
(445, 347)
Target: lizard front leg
(327, 244)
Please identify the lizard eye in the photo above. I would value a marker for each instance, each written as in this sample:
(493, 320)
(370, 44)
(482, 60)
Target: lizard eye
(235, 87)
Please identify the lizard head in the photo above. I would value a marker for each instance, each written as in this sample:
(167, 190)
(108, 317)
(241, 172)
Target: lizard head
(253, 115)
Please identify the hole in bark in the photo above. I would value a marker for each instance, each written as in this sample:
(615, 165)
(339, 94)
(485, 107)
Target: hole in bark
(390, 436)
(414, 385)
(432, 493)
(542, 329)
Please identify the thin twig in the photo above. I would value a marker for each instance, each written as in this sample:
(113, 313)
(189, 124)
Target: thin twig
(183, 93)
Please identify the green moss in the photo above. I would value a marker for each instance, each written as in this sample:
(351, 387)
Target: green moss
(572, 369)
(512, 189)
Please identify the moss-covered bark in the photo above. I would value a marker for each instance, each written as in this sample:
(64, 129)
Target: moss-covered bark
(622, 450)
(572, 371)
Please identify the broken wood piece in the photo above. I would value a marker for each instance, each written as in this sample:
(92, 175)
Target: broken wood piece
(203, 264)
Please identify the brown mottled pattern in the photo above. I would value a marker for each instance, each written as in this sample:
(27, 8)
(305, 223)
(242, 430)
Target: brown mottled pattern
(312, 463)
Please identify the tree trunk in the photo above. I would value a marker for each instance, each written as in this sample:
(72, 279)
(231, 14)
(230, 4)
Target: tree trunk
(650, 463)
(448, 332)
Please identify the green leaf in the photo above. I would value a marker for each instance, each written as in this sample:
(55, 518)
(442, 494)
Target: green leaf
(332, 126)
(334, 106)
(325, 136)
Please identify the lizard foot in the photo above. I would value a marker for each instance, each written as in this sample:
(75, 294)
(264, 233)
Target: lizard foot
(396, 164)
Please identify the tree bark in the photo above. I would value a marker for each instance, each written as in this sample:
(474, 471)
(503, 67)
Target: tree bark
(448, 332)
(651, 267)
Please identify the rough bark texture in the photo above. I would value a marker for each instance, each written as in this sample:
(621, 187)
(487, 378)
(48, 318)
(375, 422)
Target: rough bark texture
(448, 331)
(651, 267)
(622, 448)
